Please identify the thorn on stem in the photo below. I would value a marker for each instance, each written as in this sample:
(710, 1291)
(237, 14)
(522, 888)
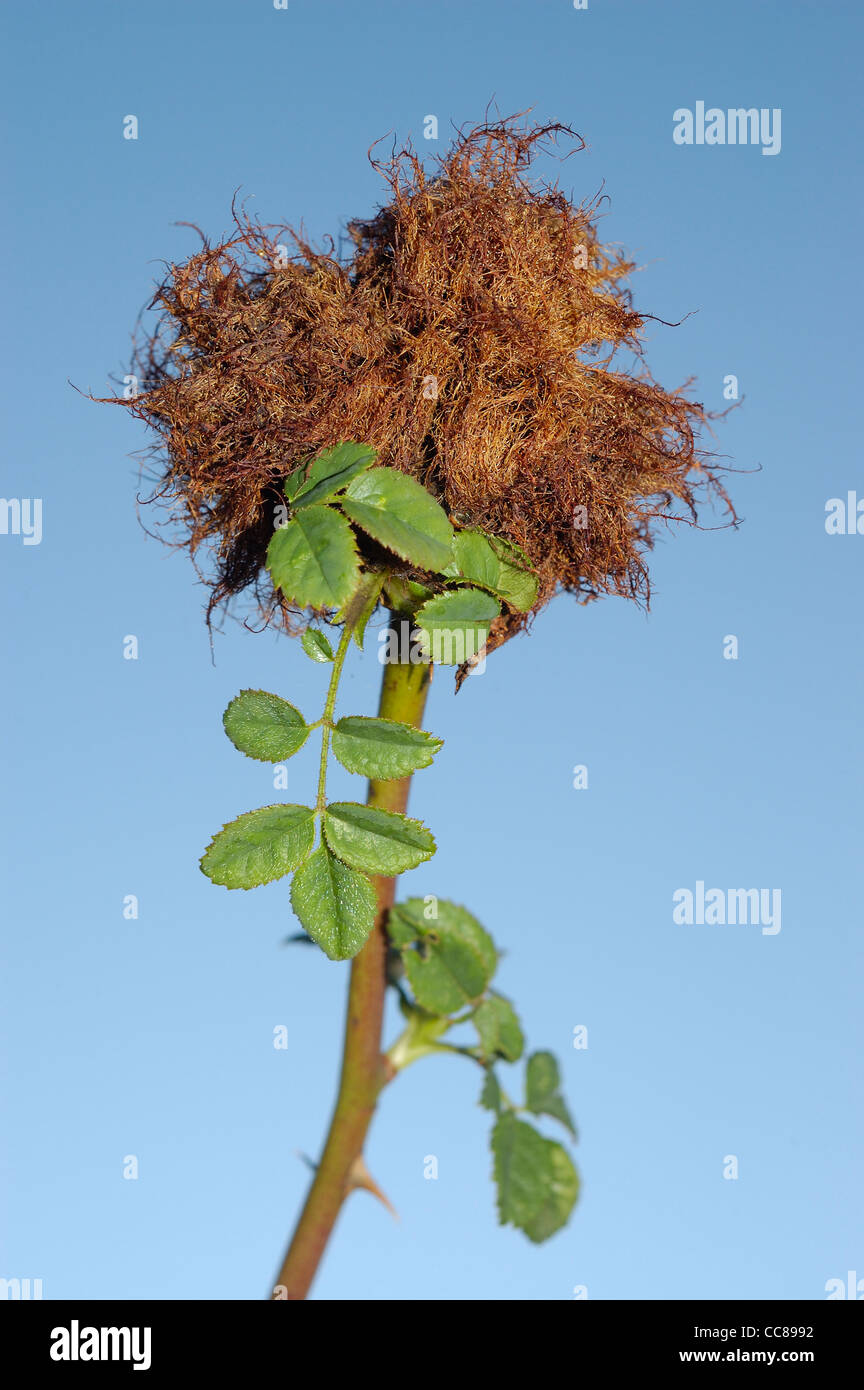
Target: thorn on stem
(359, 1176)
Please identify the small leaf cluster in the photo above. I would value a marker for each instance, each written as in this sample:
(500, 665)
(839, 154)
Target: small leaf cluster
(448, 960)
(331, 892)
(315, 560)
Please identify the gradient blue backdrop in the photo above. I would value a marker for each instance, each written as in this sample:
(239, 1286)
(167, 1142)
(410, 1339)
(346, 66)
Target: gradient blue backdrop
(155, 1037)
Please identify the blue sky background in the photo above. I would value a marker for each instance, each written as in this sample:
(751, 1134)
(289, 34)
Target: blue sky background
(155, 1037)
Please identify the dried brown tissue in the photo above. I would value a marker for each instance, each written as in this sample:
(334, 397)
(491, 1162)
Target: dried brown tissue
(472, 273)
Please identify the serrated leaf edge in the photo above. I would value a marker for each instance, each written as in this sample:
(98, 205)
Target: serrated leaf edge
(274, 806)
(307, 731)
(394, 724)
(360, 874)
(411, 820)
(355, 553)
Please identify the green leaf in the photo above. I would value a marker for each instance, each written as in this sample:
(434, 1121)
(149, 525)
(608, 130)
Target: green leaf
(490, 1095)
(453, 627)
(400, 514)
(313, 559)
(382, 748)
(405, 595)
(561, 1193)
(294, 482)
(330, 471)
(362, 604)
(316, 645)
(494, 564)
(520, 1160)
(500, 1034)
(449, 960)
(377, 842)
(401, 929)
(335, 905)
(264, 726)
(537, 1182)
(543, 1089)
(260, 846)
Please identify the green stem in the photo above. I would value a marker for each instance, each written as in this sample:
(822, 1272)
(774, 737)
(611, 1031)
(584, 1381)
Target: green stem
(364, 1070)
(327, 717)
